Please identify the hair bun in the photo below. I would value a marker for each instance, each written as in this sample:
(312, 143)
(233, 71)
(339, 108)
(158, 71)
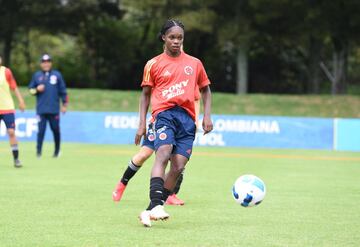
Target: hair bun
(167, 25)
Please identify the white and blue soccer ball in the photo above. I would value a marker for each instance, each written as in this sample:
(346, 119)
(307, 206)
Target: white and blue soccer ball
(249, 190)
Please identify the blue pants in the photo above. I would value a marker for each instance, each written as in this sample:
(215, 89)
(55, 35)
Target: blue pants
(175, 126)
(54, 121)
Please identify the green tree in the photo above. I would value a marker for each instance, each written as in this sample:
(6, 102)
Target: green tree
(110, 46)
(314, 32)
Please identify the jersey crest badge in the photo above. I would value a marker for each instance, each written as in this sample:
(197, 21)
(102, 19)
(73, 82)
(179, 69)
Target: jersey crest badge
(188, 70)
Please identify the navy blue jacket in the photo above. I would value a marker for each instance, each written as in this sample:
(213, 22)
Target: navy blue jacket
(55, 89)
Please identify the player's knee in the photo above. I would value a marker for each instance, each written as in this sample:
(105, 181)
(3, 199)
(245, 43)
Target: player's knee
(177, 168)
(11, 133)
(163, 154)
(140, 158)
(163, 158)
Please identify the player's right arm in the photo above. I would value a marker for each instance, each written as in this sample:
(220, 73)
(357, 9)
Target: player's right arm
(147, 85)
(144, 106)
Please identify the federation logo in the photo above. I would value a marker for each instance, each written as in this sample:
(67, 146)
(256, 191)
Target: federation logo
(53, 79)
(151, 137)
(162, 136)
(188, 70)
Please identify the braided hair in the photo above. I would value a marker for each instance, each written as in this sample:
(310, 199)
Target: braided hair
(167, 25)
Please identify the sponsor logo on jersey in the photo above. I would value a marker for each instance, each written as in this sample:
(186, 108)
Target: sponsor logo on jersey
(175, 90)
(188, 70)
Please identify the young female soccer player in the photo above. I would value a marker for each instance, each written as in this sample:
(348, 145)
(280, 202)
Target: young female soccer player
(171, 80)
(145, 152)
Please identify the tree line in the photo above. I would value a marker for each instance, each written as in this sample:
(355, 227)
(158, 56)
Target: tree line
(256, 46)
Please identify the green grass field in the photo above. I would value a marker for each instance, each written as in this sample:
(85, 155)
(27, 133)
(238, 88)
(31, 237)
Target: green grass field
(345, 106)
(313, 199)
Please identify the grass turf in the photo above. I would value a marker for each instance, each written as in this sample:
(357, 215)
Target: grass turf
(346, 106)
(312, 199)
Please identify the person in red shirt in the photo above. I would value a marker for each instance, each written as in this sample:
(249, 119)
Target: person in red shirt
(7, 108)
(145, 152)
(170, 82)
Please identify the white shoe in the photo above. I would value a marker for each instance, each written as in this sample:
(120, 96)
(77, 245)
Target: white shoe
(158, 213)
(145, 218)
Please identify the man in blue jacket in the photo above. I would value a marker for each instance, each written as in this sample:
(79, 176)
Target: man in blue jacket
(49, 87)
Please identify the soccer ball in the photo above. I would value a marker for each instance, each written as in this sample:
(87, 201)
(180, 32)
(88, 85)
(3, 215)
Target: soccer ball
(249, 190)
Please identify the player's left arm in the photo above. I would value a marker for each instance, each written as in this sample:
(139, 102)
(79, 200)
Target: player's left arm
(21, 101)
(206, 98)
(13, 85)
(204, 85)
(63, 94)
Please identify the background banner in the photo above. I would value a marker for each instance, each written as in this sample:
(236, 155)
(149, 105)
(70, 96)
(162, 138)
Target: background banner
(347, 133)
(229, 130)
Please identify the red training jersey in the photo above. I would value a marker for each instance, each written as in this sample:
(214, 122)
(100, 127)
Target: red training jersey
(175, 81)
